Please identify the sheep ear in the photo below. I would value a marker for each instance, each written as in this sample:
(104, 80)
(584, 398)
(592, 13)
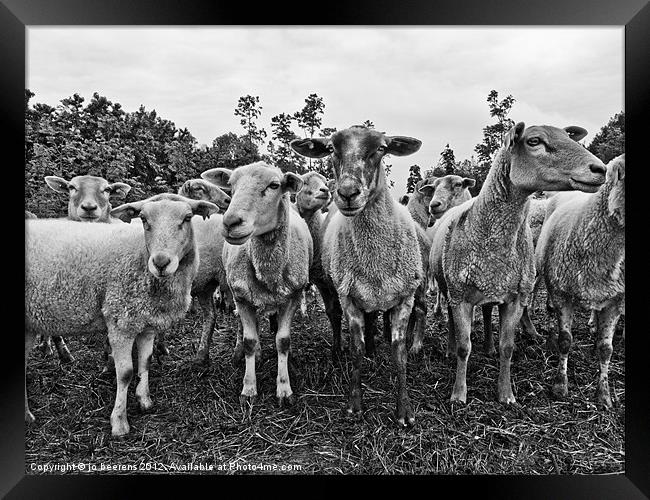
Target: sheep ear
(203, 208)
(427, 189)
(58, 184)
(402, 146)
(218, 176)
(189, 186)
(469, 182)
(291, 182)
(119, 188)
(514, 135)
(312, 148)
(127, 211)
(576, 133)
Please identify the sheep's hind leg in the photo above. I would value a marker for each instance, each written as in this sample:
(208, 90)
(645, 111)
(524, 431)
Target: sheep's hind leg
(509, 315)
(206, 302)
(462, 326)
(144, 341)
(62, 349)
(356, 320)
(451, 333)
(121, 346)
(399, 319)
(284, 392)
(109, 362)
(564, 315)
(607, 319)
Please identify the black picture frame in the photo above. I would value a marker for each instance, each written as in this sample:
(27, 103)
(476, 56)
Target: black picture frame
(15, 15)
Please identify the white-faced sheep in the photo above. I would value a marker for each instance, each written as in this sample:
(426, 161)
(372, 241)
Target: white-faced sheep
(124, 280)
(482, 251)
(370, 247)
(267, 256)
(581, 258)
(89, 201)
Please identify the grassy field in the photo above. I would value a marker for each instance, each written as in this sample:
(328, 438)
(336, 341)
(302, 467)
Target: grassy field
(198, 419)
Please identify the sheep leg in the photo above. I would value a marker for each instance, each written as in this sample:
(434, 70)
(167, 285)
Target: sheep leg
(335, 315)
(45, 345)
(606, 321)
(121, 346)
(238, 354)
(564, 315)
(144, 341)
(437, 309)
(370, 320)
(462, 326)
(62, 349)
(528, 327)
(417, 321)
(29, 340)
(206, 302)
(356, 320)
(251, 341)
(284, 393)
(593, 326)
(399, 318)
(109, 361)
(488, 338)
(451, 335)
(509, 317)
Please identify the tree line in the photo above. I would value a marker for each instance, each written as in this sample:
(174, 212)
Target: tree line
(98, 137)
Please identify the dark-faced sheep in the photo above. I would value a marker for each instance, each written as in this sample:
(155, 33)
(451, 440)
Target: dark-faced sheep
(124, 280)
(370, 247)
(581, 258)
(482, 251)
(267, 256)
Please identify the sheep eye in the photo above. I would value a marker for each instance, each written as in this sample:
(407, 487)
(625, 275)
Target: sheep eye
(188, 217)
(274, 185)
(533, 141)
(381, 149)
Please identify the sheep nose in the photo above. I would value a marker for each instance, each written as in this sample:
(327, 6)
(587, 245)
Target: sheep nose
(89, 207)
(348, 190)
(435, 204)
(324, 190)
(231, 221)
(160, 261)
(597, 168)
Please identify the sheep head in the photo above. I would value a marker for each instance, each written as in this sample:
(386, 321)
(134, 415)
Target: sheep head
(257, 192)
(314, 194)
(550, 158)
(200, 189)
(447, 192)
(357, 153)
(167, 223)
(89, 196)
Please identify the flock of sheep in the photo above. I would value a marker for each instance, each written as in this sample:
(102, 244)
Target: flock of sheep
(365, 253)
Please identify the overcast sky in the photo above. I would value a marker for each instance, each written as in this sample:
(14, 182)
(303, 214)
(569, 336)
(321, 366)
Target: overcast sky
(426, 82)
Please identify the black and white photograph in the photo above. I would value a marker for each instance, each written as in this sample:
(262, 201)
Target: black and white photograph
(325, 250)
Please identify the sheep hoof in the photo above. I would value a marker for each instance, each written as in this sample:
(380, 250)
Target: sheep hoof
(162, 349)
(201, 360)
(603, 398)
(459, 395)
(415, 350)
(286, 401)
(66, 357)
(45, 348)
(560, 390)
(405, 417)
(247, 401)
(146, 405)
(508, 398)
(354, 409)
(119, 428)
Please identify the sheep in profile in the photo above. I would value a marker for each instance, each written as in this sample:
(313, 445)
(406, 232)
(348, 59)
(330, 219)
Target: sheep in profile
(581, 258)
(124, 280)
(89, 201)
(267, 257)
(370, 247)
(482, 251)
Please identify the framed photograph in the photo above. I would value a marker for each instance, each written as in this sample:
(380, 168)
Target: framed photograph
(343, 139)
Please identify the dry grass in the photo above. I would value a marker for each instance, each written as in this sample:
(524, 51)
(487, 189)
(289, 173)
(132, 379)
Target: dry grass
(197, 418)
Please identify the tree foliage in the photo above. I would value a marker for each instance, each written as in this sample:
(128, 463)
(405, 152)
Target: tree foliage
(414, 177)
(494, 134)
(609, 142)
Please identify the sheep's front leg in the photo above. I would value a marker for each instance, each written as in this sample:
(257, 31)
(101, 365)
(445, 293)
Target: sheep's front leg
(461, 315)
(606, 321)
(509, 316)
(399, 319)
(248, 319)
(144, 342)
(356, 321)
(109, 361)
(451, 333)
(45, 345)
(62, 349)
(335, 315)
(121, 346)
(29, 340)
(564, 313)
(417, 321)
(527, 325)
(283, 345)
(202, 357)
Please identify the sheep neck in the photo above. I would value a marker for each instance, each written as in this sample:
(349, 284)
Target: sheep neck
(501, 207)
(418, 211)
(269, 252)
